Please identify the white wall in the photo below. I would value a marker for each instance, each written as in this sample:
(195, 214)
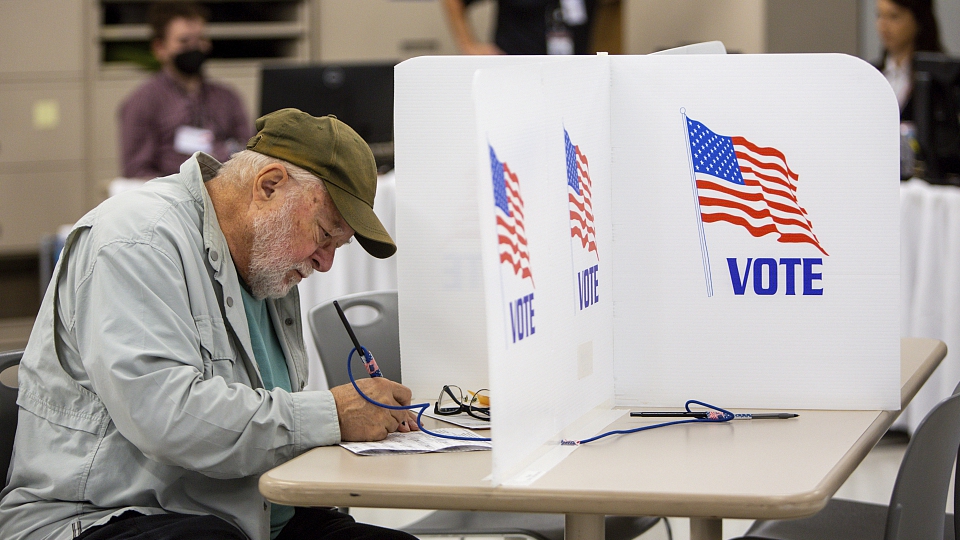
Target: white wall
(745, 26)
(652, 25)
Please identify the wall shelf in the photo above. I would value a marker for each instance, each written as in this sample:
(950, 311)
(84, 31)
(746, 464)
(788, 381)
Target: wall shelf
(246, 29)
(277, 30)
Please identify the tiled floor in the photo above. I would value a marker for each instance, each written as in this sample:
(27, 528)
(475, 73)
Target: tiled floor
(871, 482)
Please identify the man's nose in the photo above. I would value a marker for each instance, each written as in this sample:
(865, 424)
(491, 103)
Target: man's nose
(322, 258)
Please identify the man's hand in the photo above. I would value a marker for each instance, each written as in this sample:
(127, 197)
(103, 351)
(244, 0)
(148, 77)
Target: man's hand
(361, 420)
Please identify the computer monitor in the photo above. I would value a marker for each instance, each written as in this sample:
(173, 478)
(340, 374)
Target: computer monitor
(936, 99)
(359, 94)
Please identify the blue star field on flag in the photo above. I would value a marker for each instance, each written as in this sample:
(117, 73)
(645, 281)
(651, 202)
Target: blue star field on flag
(713, 154)
(499, 183)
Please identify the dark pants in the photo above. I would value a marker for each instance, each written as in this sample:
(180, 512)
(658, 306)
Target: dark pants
(307, 524)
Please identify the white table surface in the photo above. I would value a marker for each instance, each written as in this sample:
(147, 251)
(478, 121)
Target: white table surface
(744, 469)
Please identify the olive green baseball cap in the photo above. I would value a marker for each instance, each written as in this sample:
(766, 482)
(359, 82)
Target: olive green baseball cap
(335, 153)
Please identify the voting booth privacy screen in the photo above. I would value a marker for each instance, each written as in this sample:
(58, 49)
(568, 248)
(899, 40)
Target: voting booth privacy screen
(583, 233)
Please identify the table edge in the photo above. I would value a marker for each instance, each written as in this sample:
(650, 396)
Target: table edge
(522, 499)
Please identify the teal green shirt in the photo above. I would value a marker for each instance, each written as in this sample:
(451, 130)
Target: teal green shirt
(273, 371)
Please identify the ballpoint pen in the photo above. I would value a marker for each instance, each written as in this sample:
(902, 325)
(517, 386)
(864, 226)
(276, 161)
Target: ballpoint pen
(705, 414)
(764, 416)
(368, 361)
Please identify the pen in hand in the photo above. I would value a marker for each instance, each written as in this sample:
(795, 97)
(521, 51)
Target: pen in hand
(368, 360)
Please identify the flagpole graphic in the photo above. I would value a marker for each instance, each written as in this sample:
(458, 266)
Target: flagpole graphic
(704, 254)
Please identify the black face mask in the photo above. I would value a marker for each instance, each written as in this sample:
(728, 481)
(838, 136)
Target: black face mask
(189, 62)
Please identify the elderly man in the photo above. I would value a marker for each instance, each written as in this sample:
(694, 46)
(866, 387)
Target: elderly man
(163, 375)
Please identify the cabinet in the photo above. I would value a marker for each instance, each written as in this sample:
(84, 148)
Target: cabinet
(41, 39)
(41, 121)
(377, 30)
(41, 160)
(37, 203)
(42, 116)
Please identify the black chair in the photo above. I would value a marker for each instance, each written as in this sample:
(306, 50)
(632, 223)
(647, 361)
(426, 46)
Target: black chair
(8, 411)
(381, 334)
(917, 505)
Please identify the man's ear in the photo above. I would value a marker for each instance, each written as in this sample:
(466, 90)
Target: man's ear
(156, 47)
(271, 180)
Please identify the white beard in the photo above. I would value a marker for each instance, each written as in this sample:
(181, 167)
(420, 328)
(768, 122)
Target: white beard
(269, 263)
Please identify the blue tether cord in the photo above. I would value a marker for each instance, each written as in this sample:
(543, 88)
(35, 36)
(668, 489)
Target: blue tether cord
(422, 406)
(719, 415)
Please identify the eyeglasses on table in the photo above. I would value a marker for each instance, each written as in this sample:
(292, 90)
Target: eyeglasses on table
(453, 401)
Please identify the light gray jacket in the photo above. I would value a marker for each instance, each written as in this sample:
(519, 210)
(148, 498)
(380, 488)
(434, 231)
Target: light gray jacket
(139, 389)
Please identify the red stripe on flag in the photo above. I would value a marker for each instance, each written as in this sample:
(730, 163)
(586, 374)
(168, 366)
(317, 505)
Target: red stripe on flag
(515, 232)
(586, 189)
(726, 187)
(514, 245)
(763, 231)
(778, 181)
(706, 201)
(768, 152)
(581, 156)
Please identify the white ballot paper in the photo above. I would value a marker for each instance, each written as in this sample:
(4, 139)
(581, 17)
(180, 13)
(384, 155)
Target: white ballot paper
(418, 442)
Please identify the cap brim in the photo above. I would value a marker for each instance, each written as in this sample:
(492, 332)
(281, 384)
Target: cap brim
(370, 233)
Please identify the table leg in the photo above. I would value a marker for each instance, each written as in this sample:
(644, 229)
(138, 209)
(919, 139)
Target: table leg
(706, 528)
(583, 527)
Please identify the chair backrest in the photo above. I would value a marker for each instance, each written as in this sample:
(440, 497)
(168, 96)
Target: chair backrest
(8, 411)
(380, 335)
(919, 500)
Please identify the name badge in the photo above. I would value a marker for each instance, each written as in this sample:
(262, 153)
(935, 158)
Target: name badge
(574, 12)
(189, 139)
(559, 42)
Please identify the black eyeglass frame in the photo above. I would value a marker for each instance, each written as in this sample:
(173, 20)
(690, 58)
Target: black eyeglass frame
(480, 413)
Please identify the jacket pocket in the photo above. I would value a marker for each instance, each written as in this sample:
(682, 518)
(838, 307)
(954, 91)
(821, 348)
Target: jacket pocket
(84, 414)
(219, 356)
(76, 428)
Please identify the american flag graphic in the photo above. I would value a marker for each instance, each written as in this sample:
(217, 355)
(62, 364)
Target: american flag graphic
(748, 185)
(579, 191)
(511, 234)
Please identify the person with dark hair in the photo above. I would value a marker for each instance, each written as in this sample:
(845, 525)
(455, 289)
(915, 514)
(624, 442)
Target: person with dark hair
(179, 111)
(905, 27)
(527, 27)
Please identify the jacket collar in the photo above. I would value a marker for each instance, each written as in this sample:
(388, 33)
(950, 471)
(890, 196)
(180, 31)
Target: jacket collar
(194, 173)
